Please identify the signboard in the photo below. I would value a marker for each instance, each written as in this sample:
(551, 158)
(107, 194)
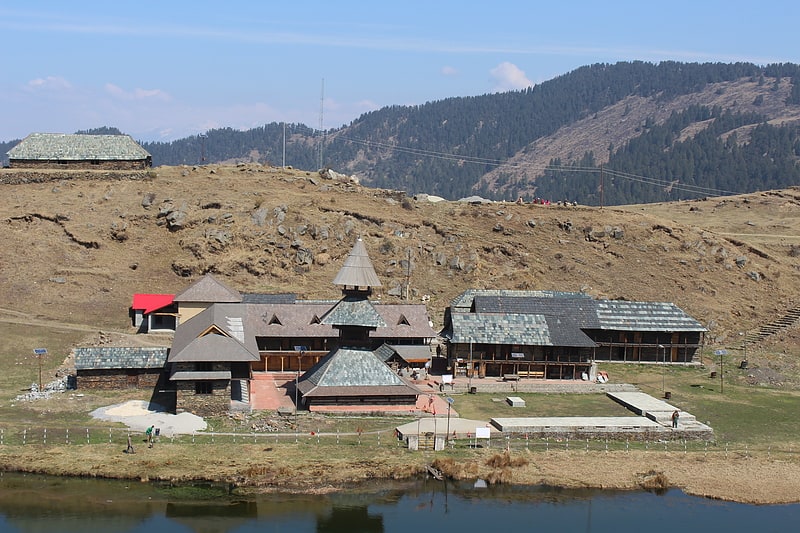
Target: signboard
(450, 400)
(40, 351)
(447, 378)
(301, 348)
(721, 352)
(517, 355)
(482, 433)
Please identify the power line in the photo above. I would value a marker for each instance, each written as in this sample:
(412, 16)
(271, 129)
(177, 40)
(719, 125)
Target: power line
(464, 159)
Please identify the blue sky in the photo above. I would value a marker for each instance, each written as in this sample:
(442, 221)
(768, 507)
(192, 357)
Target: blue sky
(161, 70)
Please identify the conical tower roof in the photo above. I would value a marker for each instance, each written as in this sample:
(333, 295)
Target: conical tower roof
(357, 270)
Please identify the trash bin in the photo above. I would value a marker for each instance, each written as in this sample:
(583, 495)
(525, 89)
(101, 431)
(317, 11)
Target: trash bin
(158, 432)
(473, 390)
(743, 365)
(667, 395)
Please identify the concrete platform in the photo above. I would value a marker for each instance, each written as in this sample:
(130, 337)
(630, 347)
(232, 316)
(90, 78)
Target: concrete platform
(645, 405)
(577, 425)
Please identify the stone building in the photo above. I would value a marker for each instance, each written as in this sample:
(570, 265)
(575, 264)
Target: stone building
(76, 151)
(558, 335)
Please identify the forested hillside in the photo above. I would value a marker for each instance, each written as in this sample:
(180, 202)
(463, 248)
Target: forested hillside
(659, 132)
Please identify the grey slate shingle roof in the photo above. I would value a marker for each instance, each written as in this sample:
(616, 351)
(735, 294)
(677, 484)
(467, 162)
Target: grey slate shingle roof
(357, 270)
(69, 147)
(208, 289)
(110, 358)
(644, 316)
(213, 348)
(555, 319)
(348, 372)
(254, 298)
(354, 311)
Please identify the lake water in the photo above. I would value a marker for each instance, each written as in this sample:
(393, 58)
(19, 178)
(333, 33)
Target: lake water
(45, 504)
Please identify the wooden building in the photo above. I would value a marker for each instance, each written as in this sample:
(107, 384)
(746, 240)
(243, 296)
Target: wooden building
(78, 151)
(558, 335)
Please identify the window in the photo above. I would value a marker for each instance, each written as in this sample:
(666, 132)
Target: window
(203, 387)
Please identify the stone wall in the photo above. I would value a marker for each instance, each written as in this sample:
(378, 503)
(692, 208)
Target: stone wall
(20, 176)
(218, 403)
(139, 164)
(117, 379)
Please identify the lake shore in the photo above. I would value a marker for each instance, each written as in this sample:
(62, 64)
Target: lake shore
(752, 479)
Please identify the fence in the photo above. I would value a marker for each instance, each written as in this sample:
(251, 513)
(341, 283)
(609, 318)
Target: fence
(385, 439)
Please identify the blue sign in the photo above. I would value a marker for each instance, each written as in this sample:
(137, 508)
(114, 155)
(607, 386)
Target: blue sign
(40, 351)
(721, 352)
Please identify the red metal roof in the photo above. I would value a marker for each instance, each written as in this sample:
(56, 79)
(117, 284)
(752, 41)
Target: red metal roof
(151, 302)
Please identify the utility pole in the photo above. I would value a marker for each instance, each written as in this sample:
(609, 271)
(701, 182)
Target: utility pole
(601, 186)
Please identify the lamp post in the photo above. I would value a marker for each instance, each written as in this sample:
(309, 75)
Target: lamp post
(449, 403)
(469, 369)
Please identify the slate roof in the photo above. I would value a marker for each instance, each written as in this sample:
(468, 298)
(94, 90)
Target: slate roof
(214, 347)
(111, 358)
(581, 310)
(554, 318)
(404, 321)
(77, 147)
(227, 319)
(526, 329)
(354, 311)
(353, 372)
(463, 302)
(410, 353)
(644, 316)
(357, 270)
(208, 289)
(254, 298)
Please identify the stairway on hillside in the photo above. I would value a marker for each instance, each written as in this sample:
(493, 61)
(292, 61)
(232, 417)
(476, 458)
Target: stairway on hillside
(786, 321)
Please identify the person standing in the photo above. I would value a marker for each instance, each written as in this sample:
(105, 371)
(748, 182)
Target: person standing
(149, 434)
(675, 416)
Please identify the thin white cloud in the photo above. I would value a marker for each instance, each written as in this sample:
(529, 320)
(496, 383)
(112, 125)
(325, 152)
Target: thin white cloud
(49, 83)
(136, 94)
(449, 71)
(508, 77)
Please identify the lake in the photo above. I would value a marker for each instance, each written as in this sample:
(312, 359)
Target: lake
(30, 503)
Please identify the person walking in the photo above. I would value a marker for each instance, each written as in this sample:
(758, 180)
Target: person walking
(675, 416)
(129, 449)
(149, 434)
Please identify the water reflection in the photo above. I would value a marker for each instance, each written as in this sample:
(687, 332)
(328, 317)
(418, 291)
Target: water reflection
(42, 504)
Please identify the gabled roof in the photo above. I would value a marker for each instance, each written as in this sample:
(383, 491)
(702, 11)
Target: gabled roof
(147, 303)
(644, 316)
(410, 353)
(348, 372)
(354, 311)
(357, 270)
(208, 289)
(77, 147)
(108, 358)
(464, 301)
(581, 310)
(528, 329)
(227, 319)
(416, 315)
(213, 348)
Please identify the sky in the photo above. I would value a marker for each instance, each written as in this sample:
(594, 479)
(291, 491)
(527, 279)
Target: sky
(167, 69)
